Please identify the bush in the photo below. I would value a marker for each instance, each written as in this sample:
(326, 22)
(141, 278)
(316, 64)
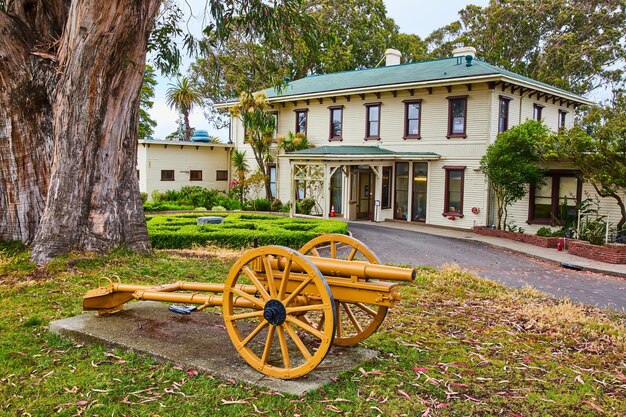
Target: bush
(305, 206)
(237, 231)
(218, 208)
(144, 197)
(547, 232)
(276, 205)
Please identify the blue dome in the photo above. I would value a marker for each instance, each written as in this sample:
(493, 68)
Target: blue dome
(201, 136)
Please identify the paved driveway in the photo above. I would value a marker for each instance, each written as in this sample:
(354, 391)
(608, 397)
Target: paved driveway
(508, 268)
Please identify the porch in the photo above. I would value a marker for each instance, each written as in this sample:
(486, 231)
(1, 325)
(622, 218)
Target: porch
(353, 182)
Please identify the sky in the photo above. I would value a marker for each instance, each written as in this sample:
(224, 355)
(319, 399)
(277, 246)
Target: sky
(418, 17)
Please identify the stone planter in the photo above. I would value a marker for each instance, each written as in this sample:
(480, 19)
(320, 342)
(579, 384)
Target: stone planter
(612, 253)
(541, 241)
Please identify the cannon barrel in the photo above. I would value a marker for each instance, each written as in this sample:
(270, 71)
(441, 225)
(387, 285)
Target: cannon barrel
(359, 269)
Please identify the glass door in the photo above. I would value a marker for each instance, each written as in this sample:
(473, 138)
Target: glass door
(401, 200)
(420, 181)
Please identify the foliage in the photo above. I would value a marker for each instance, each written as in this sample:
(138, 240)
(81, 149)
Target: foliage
(597, 146)
(189, 198)
(592, 227)
(146, 123)
(260, 204)
(276, 205)
(294, 142)
(454, 336)
(547, 232)
(346, 35)
(183, 96)
(510, 164)
(259, 126)
(240, 164)
(144, 197)
(237, 231)
(305, 206)
(572, 44)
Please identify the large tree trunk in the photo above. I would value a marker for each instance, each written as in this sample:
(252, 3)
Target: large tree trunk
(88, 110)
(27, 80)
(101, 59)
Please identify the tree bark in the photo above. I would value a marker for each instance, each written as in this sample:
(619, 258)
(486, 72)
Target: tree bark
(27, 80)
(93, 200)
(72, 131)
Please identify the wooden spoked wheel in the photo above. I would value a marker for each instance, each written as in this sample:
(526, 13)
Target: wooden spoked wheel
(264, 325)
(355, 321)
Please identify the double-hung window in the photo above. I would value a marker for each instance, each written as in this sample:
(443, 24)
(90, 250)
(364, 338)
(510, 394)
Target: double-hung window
(372, 121)
(562, 116)
(453, 194)
(537, 111)
(195, 175)
(301, 120)
(167, 175)
(336, 123)
(503, 114)
(457, 117)
(412, 119)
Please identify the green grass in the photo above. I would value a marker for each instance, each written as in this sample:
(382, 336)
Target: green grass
(238, 230)
(455, 346)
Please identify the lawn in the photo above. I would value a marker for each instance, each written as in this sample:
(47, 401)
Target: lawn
(457, 345)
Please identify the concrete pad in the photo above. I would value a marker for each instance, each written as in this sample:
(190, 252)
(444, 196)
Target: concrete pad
(197, 341)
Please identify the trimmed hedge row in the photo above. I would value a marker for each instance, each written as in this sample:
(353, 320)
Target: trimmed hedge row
(180, 231)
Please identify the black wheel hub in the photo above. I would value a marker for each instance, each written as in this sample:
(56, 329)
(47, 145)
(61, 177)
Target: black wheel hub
(274, 312)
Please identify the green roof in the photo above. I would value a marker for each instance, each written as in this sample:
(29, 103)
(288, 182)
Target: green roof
(425, 71)
(348, 150)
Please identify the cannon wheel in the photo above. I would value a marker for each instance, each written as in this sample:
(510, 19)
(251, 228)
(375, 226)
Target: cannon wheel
(268, 333)
(355, 321)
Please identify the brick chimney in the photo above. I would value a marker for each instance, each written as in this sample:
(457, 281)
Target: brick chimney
(392, 57)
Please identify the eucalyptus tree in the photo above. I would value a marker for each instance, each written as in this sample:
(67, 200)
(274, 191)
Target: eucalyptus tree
(70, 78)
(578, 45)
(146, 100)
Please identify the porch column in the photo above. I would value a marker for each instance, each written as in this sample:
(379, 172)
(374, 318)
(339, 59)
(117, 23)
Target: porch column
(377, 170)
(293, 187)
(326, 188)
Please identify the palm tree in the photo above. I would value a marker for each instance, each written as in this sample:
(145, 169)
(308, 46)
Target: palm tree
(183, 96)
(240, 164)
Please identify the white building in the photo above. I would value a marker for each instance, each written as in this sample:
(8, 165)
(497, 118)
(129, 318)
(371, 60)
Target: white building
(169, 165)
(405, 141)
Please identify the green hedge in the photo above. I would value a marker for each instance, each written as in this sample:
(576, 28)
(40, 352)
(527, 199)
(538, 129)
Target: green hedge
(180, 231)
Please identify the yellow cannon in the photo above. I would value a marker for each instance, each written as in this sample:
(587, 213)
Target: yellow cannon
(333, 291)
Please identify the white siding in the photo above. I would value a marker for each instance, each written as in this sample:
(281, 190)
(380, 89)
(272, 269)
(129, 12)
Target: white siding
(182, 158)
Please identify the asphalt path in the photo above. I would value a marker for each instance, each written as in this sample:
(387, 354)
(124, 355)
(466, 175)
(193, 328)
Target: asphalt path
(509, 268)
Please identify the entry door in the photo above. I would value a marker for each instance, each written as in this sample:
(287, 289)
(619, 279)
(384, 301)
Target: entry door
(420, 183)
(366, 193)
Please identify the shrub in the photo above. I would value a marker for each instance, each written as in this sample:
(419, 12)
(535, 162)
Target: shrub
(144, 197)
(544, 231)
(305, 206)
(218, 208)
(276, 205)
(238, 230)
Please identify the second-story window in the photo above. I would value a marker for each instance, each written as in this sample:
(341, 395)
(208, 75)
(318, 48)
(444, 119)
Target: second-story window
(372, 121)
(336, 123)
(457, 116)
(412, 119)
(537, 111)
(503, 115)
(562, 115)
(301, 120)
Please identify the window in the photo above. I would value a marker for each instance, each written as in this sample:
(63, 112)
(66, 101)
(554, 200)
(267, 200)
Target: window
(221, 175)
(401, 200)
(457, 116)
(555, 200)
(195, 175)
(386, 190)
(503, 115)
(167, 175)
(562, 114)
(336, 122)
(372, 121)
(537, 110)
(420, 182)
(271, 171)
(455, 178)
(412, 119)
(275, 114)
(301, 121)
